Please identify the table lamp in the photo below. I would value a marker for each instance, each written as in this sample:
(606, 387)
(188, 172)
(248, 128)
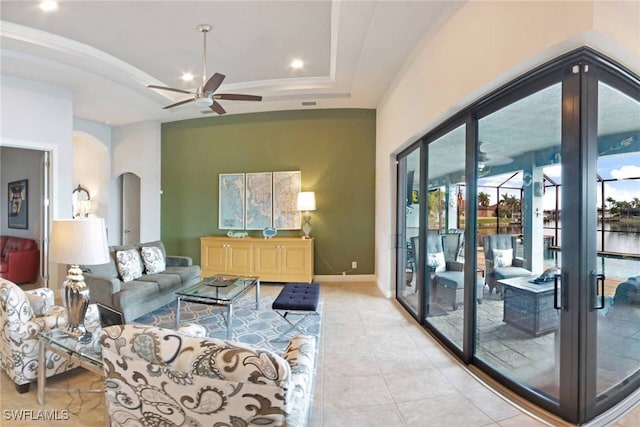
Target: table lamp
(75, 242)
(306, 203)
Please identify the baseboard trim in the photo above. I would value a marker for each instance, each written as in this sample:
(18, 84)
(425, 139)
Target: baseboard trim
(345, 278)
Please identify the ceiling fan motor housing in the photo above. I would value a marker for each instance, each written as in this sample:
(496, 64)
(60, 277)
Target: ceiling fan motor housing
(204, 95)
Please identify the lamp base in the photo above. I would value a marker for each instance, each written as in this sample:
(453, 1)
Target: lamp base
(306, 226)
(75, 297)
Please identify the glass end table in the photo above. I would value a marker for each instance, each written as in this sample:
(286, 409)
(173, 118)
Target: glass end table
(58, 341)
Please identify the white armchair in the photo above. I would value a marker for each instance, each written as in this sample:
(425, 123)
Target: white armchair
(23, 314)
(155, 376)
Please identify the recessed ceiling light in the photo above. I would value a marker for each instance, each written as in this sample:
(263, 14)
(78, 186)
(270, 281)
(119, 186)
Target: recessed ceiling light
(297, 64)
(48, 5)
(187, 77)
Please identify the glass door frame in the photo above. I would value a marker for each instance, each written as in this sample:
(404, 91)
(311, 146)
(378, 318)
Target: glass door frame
(596, 69)
(537, 80)
(400, 237)
(579, 72)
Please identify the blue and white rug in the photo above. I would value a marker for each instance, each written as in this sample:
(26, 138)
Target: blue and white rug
(262, 328)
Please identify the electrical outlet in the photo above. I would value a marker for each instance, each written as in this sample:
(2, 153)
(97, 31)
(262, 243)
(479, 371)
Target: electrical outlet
(354, 264)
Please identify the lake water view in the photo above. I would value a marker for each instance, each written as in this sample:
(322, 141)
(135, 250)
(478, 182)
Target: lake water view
(619, 238)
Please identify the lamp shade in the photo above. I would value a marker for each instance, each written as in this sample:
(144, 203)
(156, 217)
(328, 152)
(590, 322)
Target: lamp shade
(307, 201)
(79, 241)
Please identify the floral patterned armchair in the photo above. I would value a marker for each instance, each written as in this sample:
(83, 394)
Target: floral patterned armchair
(155, 376)
(23, 314)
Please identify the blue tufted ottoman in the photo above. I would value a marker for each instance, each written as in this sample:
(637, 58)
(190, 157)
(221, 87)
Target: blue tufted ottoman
(299, 299)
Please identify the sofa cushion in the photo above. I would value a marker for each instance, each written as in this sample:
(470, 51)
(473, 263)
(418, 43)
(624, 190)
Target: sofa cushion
(129, 265)
(18, 244)
(134, 292)
(451, 279)
(153, 259)
(186, 273)
(166, 282)
(108, 270)
(3, 241)
(510, 272)
(4, 267)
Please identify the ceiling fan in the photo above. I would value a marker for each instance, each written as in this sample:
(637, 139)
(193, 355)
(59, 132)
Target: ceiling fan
(490, 159)
(205, 95)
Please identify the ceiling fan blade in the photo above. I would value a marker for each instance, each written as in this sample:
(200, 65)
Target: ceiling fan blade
(171, 89)
(237, 97)
(217, 107)
(179, 103)
(213, 83)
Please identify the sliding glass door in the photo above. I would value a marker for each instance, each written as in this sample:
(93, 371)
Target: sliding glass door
(445, 238)
(518, 328)
(519, 235)
(409, 274)
(613, 316)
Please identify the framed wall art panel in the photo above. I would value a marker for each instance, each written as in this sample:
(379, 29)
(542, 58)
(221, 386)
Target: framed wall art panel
(231, 201)
(18, 204)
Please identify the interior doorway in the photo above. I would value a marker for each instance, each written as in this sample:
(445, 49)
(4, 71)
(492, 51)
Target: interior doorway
(130, 208)
(30, 166)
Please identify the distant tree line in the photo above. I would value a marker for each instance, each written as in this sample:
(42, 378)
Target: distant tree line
(624, 208)
(505, 208)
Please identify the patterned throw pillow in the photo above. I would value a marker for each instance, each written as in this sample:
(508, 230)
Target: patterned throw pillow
(129, 265)
(437, 262)
(502, 257)
(153, 259)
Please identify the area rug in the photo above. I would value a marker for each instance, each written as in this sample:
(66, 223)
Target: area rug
(263, 328)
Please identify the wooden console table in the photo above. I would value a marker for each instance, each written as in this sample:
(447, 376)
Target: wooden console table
(279, 259)
(529, 306)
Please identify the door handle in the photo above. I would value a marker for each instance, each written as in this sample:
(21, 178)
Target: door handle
(559, 303)
(599, 286)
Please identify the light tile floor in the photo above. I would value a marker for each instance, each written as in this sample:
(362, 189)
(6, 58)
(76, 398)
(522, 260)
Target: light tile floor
(376, 367)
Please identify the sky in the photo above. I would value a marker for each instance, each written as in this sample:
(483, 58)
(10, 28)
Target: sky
(621, 167)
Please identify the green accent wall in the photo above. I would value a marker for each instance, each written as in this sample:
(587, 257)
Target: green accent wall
(333, 149)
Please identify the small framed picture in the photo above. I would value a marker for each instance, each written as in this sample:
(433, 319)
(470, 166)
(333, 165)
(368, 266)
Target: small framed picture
(19, 204)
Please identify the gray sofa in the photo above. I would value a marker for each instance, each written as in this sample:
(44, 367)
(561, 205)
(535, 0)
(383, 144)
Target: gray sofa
(144, 294)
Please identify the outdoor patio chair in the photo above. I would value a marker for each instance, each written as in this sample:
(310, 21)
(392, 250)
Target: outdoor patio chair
(429, 271)
(500, 260)
(450, 282)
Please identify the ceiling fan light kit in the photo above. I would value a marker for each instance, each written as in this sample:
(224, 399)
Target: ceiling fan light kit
(205, 95)
(203, 102)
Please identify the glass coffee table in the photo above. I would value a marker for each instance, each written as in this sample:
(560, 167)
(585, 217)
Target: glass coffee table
(221, 290)
(59, 342)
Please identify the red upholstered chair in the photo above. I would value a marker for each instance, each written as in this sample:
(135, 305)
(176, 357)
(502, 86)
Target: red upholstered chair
(19, 259)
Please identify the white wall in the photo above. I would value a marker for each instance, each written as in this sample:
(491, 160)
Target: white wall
(39, 116)
(480, 47)
(92, 171)
(92, 163)
(136, 149)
